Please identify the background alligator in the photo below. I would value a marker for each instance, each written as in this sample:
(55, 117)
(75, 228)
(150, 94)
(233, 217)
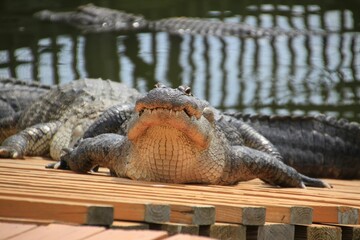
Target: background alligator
(90, 18)
(60, 117)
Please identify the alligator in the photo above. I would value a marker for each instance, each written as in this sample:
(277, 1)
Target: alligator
(94, 19)
(172, 136)
(59, 117)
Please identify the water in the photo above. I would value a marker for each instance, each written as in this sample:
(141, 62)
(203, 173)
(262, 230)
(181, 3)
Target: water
(304, 74)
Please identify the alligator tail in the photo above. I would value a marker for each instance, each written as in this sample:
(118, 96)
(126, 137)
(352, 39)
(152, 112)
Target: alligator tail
(317, 146)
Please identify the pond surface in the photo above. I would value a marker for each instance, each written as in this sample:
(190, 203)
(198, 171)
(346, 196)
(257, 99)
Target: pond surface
(303, 74)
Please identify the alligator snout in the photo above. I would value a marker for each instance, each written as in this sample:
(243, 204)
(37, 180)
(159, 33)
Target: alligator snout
(177, 100)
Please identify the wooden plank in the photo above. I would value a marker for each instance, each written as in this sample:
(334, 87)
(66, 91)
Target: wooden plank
(9, 230)
(129, 235)
(343, 215)
(227, 231)
(27, 221)
(65, 211)
(59, 232)
(270, 231)
(123, 209)
(277, 231)
(196, 215)
(246, 215)
(317, 232)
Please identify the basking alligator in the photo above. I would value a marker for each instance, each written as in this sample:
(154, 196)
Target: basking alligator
(60, 117)
(169, 136)
(90, 18)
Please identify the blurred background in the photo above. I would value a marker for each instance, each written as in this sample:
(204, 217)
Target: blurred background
(304, 74)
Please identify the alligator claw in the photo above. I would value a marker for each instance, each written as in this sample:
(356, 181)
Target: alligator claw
(7, 152)
(58, 165)
(62, 164)
(313, 182)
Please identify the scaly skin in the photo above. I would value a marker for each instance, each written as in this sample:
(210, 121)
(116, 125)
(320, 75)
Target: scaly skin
(15, 96)
(60, 117)
(318, 146)
(175, 137)
(90, 18)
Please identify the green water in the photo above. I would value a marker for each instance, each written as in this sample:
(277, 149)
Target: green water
(305, 74)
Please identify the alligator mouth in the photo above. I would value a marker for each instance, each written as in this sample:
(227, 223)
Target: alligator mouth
(187, 121)
(188, 109)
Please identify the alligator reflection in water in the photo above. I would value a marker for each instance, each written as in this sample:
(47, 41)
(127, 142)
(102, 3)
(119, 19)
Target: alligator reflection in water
(297, 74)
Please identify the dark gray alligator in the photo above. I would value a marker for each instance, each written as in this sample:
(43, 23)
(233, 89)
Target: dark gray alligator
(90, 18)
(171, 136)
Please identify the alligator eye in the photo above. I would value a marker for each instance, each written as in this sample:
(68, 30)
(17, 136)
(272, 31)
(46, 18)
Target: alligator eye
(185, 89)
(188, 91)
(160, 85)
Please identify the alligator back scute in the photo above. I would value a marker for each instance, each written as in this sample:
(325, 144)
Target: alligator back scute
(81, 98)
(16, 95)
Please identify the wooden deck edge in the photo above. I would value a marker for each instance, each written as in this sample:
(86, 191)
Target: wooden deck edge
(62, 211)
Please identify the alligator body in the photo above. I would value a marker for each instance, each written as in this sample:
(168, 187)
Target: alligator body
(319, 146)
(90, 18)
(59, 117)
(16, 95)
(171, 136)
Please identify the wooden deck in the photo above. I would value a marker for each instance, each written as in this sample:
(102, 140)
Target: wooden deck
(35, 201)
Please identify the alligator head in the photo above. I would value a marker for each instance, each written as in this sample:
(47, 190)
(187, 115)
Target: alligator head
(175, 131)
(91, 18)
(173, 109)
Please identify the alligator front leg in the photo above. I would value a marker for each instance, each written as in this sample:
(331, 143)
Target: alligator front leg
(105, 150)
(246, 164)
(34, 140)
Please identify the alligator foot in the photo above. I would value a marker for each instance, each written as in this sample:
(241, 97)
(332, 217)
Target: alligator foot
(9, 152)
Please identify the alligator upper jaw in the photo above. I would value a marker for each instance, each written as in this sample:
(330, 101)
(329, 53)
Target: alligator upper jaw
(196, 129)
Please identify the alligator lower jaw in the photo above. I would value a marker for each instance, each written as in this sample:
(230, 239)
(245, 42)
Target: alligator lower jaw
(191, 127)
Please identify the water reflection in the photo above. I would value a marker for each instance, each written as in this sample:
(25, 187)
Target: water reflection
(299, 74)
